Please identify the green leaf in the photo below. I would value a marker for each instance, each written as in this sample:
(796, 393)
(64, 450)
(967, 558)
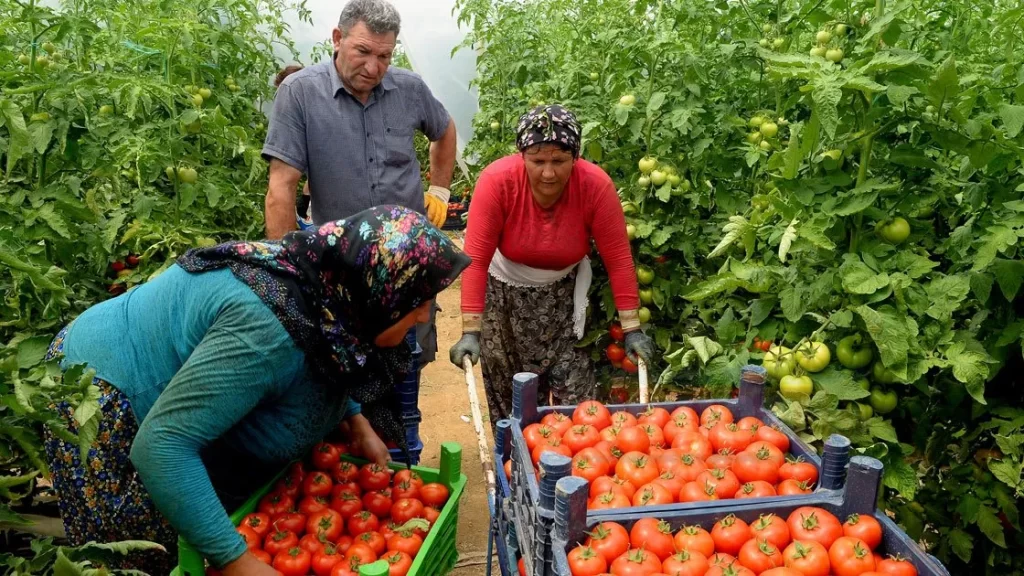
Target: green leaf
(661, 236)
(787, 240)
(990, 525)
(63, 566)
(1009, 275)
(23, 393)
(968, 508)
(20, 142)
(705, 347)
(850, 203)
(962, 543)
(793, 303)
(898, 95)
(760, 309)
(111, 228)
(54, 220)
(655, 103)
(893, 333)
(622, 114)
(912, 264)
(859, 279)
(882, 429)
(946, 294)
(734, 231)
(40, 134)
(970, 366)
(10, 517)
(32, 350)
(664, 193)
(839, 383)
(899, 476)
(213, 194)
(996, 241)
(1013, 119)
(1007, 472)
(712, 287)
(890, 60)
(814, 232)
(826, 97)
(945, 83)
(881, 24)
(862, 83)
(792, 415)
(794, 154)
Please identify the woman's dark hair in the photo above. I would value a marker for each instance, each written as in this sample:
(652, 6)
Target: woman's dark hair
(288, 71)
(536, 147)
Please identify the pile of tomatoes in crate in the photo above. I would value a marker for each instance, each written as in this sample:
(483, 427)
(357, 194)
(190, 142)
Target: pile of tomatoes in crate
(337, 516)
(811, 542)
(664, 458)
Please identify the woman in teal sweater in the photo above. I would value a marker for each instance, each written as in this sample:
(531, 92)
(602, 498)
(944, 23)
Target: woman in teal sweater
(235, 361)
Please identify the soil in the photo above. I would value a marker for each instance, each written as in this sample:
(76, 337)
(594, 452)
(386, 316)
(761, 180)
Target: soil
(444, 402)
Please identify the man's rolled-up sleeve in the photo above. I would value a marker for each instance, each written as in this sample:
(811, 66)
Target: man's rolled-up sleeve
(434, 116)
(286, 136)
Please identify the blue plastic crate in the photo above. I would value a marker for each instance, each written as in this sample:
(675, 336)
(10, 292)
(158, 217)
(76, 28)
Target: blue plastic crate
(415, 451)
(532, 499)
(505, 543)
(858, 497)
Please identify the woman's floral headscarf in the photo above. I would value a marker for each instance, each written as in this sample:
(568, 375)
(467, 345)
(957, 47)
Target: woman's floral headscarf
(337, 287)
(549, 124)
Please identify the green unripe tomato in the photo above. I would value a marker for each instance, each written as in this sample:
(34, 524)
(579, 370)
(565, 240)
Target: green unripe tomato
(630, 232)
(834, 55)
(205, 93)
(24, 59)
(42, 61)
(852, 353)
(594, 76)
(841, 30)
(894, 230)
(778, 42)
(882, 375)
(756, 121)
(647, 296)
(170, 172)
(769, 129)
(106, 110)
(643, 181)
(813, 356)
(644, 314)
(658, 178)
(234, 87)
(863, 411)
(754, 137)
(765, 145)
(883, 402)
(823, 37)
(674, 180)
(627, 100)
(766, 28)
(495, 126)
(779, 361)
(794, 387)
(188, 175)
(644, 275)
(647, 164)
(764, 43)
(197, 100)
(49, 47)
(818, 51)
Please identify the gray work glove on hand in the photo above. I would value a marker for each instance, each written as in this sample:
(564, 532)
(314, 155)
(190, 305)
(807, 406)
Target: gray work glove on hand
(639, 344)
(468, 345)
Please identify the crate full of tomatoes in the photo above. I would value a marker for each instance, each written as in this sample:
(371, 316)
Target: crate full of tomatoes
(336, 515)
(838, 534)
(667, 456)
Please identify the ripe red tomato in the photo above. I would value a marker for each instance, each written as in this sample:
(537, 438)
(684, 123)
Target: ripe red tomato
(609, 500)
(399, 563)
(715, 414)
(695, 539)
(279, 541)
(623, 419)
(730, 437)
(677, 425)
(262, 556)
(343, 543)
(293, 562)
(755, 489)
(326, 525)
(290, 485)
(811, 524)
(374, 477)
(608, 539)
(350, 487)
(552, 444)
(799, 470)
(637, 468)
(361, 553)
(693, 443)
(729, 534)
(325, 560)
(895, 567)
(310, 543)
(616, 332)
(406, 509)
(722, 460)
(655, 415)
(347, 504)
(772, 435)
(374, 540)
(379, 502)
(760, 555)
(411, 476)
(668, 480)
(751, 423)
(636, 563)
(724, 481)
(697, 492)
(721, 559)
(590, 464)
(292, 521)
(405, 541)
(687, 414)
(771, 528)
(686, 563)
(345, 472)
(364, 521)
(793, 488)
(652, 535)
(756, 466)
(258, 522)
(312, 504)
(434, 494)
(593, 413)
(686, 467)
(850, 557)
(652, 494)
(732, 569)
(252, 539)
(864, 527)
(276, 504)
(557, 421)
(326, 456)
(614, 352)
(536, 433)
(431, 514)
(632, 439)
(581, 436)
(654, 434)
(584, 561)
(629, 366)
(777, 456)
(407, 489)
(317, 484)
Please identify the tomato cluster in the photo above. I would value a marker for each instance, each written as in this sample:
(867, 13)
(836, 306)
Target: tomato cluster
(615, 353)
(333, 518)
(811, 542)
(662, 457)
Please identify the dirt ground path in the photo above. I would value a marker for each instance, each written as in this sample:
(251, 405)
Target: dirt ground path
(445, 406)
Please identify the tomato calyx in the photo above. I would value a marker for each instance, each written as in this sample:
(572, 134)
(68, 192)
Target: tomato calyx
(728, 521)
(810, 522)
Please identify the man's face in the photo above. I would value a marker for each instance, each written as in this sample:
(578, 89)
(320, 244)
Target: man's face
(363, 57)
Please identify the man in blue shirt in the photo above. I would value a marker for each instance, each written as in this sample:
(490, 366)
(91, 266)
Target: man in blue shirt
(349, 125)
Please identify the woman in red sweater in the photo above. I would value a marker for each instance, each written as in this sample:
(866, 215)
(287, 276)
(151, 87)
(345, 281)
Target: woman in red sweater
(524, 297)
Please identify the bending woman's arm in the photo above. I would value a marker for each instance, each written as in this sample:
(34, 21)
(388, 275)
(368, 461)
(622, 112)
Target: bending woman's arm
(483, 232)
(221, 382)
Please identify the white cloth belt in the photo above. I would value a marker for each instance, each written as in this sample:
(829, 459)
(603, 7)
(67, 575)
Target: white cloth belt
(515, 274)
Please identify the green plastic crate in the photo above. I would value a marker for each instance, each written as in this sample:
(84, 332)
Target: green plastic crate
(438, 554)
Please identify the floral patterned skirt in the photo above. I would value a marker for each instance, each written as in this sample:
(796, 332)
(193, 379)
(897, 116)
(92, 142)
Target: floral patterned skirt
(102, 499)
(531, 330)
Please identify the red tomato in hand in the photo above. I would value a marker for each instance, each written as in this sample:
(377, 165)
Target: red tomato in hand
(406, 509)
(593, 413)
(608, 539)
(362, 522)
(262, 556)
(293, 562)
(730, 534)
(374, 477)
(629, 366)
(616, 332)
(614, 352)
(326, 456)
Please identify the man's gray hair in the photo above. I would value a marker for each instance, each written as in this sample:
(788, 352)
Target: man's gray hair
(378, 15)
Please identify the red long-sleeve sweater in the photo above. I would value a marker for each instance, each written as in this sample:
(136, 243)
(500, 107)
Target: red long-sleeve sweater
(504, 215)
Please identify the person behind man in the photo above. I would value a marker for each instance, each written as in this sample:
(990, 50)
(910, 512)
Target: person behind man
(348, 125)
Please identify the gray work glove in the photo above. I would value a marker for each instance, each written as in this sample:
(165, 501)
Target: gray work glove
(639, 344)
(468, 345)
